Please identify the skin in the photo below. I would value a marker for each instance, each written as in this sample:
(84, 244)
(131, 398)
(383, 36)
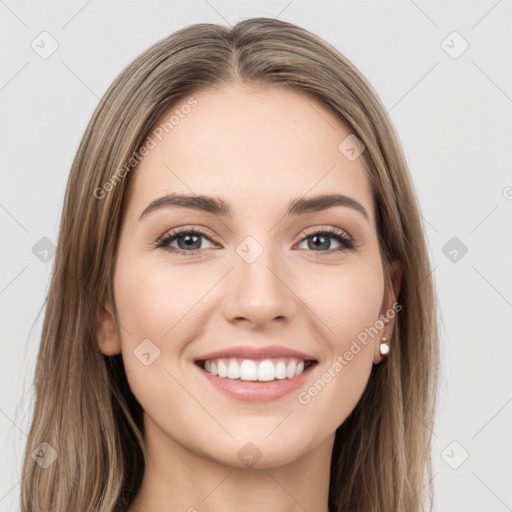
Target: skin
(257, 149)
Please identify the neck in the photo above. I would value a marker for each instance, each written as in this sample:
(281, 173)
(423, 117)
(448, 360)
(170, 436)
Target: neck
(177, 479)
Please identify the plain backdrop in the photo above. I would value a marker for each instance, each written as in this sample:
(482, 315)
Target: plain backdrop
(444, 73)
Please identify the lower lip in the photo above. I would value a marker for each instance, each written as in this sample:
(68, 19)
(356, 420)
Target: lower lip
(256, 391)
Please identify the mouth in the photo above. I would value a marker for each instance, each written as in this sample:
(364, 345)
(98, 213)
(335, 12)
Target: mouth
(257, 369)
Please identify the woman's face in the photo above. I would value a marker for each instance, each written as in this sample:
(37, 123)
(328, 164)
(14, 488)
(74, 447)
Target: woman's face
(255, 277)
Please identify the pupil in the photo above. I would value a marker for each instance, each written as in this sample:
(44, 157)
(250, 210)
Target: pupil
(324, 245)
(189, 241)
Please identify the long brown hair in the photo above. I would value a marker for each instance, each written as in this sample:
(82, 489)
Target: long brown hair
(85, 413)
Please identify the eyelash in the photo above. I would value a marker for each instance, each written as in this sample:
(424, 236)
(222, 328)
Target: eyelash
(346, 243)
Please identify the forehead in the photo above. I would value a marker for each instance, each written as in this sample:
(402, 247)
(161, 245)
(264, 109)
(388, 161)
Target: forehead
(250, 145)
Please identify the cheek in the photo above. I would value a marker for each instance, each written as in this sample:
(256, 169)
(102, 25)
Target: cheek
(155, 308)
(349, 306)
(153, 299)
(347, 301)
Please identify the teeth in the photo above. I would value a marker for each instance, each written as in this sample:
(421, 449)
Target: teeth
(248, 370)
(233, 370)
(266, 370)
(290, 369)
(261, 370)
(280, 370)
(223, 370)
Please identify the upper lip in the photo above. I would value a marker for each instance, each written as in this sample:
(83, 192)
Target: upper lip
(249, 352)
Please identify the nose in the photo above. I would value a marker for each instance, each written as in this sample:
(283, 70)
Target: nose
(259, 293)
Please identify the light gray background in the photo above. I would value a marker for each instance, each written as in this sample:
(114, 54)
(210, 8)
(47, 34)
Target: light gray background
(453, 117)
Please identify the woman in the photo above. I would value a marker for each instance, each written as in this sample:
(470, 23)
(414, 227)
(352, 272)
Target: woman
(241, 313)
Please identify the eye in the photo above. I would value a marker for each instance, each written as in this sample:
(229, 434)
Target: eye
(319, 239)
(187, 239)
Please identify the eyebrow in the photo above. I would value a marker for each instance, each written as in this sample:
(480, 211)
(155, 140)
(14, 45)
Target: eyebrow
(218, 206)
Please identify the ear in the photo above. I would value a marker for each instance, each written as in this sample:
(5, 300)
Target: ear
(107, 333)
(388, 310)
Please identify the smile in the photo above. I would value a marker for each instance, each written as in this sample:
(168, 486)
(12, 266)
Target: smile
(262, 370)
(256, 380)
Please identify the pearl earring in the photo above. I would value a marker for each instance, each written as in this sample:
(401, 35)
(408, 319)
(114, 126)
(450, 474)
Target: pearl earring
(384, 347)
